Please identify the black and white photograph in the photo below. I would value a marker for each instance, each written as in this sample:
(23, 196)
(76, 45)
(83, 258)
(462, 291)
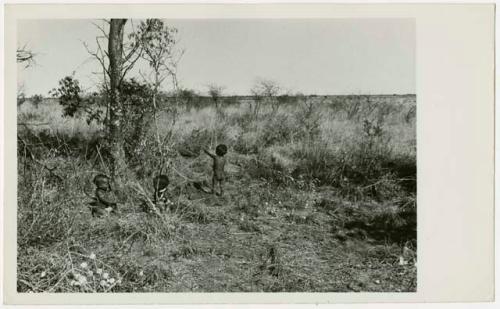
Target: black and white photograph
(216, 155)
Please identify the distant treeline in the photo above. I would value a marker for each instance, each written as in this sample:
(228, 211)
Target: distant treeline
(192, 99)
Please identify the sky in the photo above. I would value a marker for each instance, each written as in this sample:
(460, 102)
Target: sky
(310, 56)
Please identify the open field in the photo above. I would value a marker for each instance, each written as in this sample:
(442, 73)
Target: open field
(320, 197)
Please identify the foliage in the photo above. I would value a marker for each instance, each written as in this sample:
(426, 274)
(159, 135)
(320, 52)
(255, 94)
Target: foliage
(75, 102)
(279, 129)
(189, 97)
(158, 41)
(136, 98)
(70, 96)
(36, 100)
(308, 117)
(215, 93)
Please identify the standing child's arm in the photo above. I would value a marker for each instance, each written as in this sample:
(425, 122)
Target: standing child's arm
(209, 153)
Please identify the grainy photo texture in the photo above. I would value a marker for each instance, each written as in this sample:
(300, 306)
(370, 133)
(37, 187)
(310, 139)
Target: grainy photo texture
(223, 155)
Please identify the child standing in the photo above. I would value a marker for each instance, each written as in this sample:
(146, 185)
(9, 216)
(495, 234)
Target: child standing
(218, 166)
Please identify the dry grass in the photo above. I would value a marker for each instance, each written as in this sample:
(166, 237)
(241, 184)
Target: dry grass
(314, 202)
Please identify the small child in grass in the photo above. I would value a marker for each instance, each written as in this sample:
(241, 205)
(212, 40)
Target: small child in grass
(105, 199)
(160, 184)
(218, 166)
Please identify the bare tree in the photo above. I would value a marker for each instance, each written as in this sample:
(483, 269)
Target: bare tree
(265, 91)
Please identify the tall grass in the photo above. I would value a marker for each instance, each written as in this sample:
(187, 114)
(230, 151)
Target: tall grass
(338, 166)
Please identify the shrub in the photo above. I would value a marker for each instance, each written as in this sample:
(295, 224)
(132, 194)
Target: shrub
(315, 161)
(272, 165)
(189, 98)
(70, 96)
(36, 100)
(138, 114)
(279, 129)
(247, 143)
(308, 117)
(365, 167)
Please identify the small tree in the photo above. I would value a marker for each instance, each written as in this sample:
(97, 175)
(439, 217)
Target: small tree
(70, 96)
(74, 101)
(308, 117)
(188, 97)
(270, 90)
(265, 91)
(215, 92)
(36, 100)
(157, 41)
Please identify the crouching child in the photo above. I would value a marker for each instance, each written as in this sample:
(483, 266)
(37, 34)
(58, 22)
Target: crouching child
(105, 199)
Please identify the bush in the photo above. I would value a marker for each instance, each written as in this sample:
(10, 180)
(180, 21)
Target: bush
(70, 96)
(247, 143)
(364, 167)
(138, 116)
(308, 117)
(189, 98)
(36, 100)
(75, 102)
(315, 161)
(279, 129)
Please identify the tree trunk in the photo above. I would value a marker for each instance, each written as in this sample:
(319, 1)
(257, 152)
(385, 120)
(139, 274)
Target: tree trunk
(115, 52)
